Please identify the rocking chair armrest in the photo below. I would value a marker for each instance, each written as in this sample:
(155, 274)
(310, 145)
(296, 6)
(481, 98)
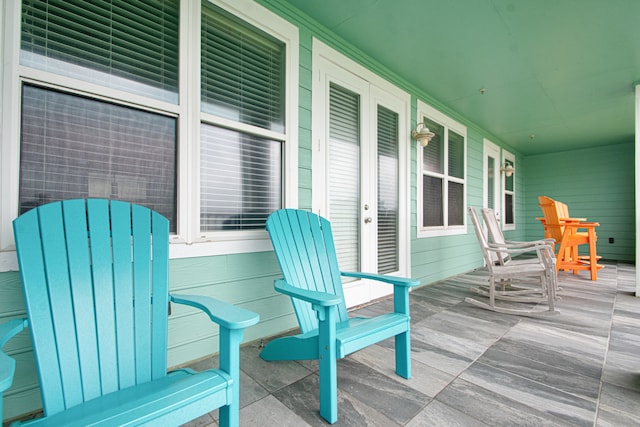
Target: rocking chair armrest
(517, 250)
(7, 364)
(322, 299)
(222, 313)
(394, 280)
(514, 243)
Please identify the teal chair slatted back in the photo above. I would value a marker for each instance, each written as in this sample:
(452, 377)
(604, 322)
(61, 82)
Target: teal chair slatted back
(303, 244)
(82, 263)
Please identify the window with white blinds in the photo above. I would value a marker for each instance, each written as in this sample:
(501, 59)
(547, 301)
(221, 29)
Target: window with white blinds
(344, 174)
(243, 78)
(388, 233)
(242, 71)
(240, 179)
(122, 44)
(76, 147)
(102, 115)
(442, 177)
(509, 192)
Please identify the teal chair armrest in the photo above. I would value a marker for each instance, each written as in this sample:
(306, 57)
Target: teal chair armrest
(394, 280)
(222, 313)
(7, 364)
(321, 299)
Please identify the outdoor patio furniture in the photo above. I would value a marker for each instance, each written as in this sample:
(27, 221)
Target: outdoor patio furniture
(95, 277)
(304, 247)
(569, 233)
(530, 281)
(496, 237)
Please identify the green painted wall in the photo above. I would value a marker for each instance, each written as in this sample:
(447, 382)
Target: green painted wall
(597, 184)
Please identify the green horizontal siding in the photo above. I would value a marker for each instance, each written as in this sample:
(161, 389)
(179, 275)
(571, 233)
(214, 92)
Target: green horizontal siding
(597, 184)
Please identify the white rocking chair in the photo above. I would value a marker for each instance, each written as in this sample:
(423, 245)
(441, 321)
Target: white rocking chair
(535, 277)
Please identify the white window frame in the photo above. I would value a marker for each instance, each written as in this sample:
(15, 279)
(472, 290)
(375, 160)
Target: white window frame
(426, 110)
(506, 155)
(188, 240)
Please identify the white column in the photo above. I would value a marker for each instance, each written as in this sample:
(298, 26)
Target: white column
(637, 175)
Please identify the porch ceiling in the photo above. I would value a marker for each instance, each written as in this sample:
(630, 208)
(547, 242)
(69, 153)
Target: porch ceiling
(562, 70)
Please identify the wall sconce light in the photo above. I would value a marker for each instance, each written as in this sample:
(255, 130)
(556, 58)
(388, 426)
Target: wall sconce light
(423, 136)
(508, 169)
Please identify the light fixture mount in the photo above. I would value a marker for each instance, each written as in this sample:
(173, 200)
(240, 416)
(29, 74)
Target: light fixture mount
(422, 134)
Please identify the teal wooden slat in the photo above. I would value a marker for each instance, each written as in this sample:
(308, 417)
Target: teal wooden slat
(102, 264)
(75, 220)
(283, 229)
(54, 249)
(160, 274)
(32, 273)
(330, 266)
(141, 235)
(123, 292)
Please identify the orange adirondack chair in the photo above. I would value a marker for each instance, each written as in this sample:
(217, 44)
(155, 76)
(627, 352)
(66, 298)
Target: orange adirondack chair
(569, 233)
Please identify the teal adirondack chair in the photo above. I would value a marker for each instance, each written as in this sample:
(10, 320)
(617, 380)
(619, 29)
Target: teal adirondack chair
(95, 278)
(304, 247)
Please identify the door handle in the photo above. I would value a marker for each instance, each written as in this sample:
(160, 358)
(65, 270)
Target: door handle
(367, 220)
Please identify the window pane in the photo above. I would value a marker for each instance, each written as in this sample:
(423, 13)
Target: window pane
(456, 211)
(132, 46)
(344, 174)
(387, 190)
(491, 178)
(242, 71)
(432, 202)
(456, 155)
(240, 179)
(433, 154)
(74, 147)
(508, 180)
(509, 217)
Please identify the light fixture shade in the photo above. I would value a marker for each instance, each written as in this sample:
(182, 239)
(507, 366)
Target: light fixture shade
(508, 169)
(422, 135)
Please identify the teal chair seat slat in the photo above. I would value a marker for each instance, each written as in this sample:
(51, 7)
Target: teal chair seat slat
(95, 275)
(150, 403)
(303, 244)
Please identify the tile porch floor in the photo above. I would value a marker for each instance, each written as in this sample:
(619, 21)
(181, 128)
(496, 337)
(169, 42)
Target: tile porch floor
(473, 367)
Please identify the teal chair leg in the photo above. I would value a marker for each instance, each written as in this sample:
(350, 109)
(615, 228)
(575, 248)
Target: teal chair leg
(328, 365)
(230, 362)
(402, 341)
(403, 355)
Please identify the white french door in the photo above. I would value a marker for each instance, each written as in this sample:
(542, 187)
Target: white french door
(360, 177)
(491, 173)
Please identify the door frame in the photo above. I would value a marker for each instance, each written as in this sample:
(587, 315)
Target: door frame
(331, 66)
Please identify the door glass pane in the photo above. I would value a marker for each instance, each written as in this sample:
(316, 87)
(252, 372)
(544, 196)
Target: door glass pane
(123, 44)
(344, 174)
(74, 147)
(387, 190)
(491, 182)
(240, 179)
(432, 201)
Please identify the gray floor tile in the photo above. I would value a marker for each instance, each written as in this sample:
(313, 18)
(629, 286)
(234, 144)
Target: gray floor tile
(471, 366)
